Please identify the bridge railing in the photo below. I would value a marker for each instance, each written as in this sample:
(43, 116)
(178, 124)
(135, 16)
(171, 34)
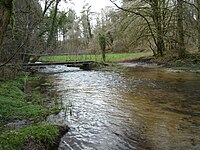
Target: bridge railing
(70, 56)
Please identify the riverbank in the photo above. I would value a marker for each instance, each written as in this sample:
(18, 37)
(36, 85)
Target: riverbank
(25, 103)
(169, 62)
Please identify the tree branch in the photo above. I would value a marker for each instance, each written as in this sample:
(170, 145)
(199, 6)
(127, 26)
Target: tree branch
(18, 49)
(22, 44)
(47, 5)
(191, 5)
(137, 13)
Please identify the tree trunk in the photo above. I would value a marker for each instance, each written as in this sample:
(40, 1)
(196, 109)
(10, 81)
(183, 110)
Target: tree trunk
(181, 42)
(5, 15)
(198, 23)
(51, 34)
(158, 25)
(102, 44)
(89, 26)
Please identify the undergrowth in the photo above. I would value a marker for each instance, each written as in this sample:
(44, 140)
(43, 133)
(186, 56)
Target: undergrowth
(172, 61)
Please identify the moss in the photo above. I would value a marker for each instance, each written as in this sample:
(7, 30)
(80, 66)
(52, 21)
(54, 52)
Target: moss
(9, 5)
(37, 134)
(13, 104)
(17, 104)
(11, 90)
(32, 105)
(9, 12)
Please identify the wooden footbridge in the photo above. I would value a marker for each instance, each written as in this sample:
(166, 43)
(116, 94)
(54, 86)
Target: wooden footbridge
(85, 65)
(78, 61)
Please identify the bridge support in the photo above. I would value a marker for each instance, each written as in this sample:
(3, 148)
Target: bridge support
(86, 66)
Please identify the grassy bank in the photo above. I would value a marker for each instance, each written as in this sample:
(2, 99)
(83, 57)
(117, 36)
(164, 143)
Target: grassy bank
(171, 62)
(24, 105)
(98, 58)
(36, 137)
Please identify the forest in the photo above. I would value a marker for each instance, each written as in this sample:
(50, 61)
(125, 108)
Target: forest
(38, 27)
(164, 33)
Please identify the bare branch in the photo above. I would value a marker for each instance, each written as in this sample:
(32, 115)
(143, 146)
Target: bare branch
(47, 5)
(191, 4)
(139, 14)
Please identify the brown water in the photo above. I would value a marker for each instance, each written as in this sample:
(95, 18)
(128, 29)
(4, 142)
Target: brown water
(136, 108)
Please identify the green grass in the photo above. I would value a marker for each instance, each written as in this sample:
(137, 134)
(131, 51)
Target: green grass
(98, 58)
(13, 104)
(43, 134)
(16, 105)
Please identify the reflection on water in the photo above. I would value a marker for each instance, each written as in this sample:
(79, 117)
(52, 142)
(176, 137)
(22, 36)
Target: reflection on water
(139, 108)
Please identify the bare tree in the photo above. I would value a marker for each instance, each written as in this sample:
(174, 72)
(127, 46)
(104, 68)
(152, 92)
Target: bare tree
(51, 32)
(180, 31)
(154, 10)
(86, 23)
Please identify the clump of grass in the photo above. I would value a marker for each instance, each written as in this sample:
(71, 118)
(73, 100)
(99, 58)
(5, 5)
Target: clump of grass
(36, 136)
(38, 94)
(10, 91)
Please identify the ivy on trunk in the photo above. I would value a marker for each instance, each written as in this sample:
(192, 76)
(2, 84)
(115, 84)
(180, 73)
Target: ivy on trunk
(6, 17)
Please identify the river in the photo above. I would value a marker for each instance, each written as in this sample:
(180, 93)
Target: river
(137, 108)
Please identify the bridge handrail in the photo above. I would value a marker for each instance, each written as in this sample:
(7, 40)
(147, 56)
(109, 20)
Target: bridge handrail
(60, 54)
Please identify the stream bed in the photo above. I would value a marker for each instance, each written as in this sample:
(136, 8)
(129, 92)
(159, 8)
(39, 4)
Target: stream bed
(137, 108)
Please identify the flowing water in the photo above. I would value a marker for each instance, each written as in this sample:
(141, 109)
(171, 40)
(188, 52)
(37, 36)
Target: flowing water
(135, 108)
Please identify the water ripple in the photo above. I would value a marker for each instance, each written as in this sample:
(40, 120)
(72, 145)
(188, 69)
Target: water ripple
(137, 109)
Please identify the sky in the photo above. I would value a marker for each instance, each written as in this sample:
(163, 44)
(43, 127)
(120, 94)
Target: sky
(96, 5)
